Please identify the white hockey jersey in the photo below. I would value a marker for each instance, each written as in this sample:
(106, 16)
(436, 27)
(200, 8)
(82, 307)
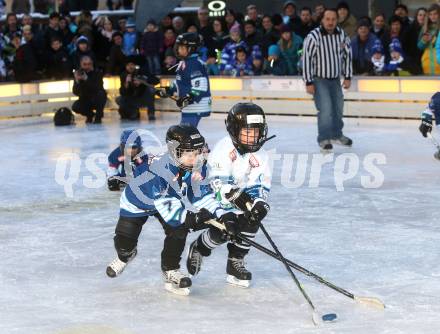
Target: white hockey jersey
(250, 172)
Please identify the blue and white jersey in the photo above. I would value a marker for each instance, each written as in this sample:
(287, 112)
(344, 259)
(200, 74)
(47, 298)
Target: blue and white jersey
(116, 163)
(433, 108)
(159, 189)
(250, 172)
(192, 78)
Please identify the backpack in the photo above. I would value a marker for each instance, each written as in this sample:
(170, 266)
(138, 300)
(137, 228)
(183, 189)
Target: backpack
(63, 116)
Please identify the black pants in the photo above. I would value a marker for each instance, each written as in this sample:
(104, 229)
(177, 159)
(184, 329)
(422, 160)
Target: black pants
(85, 105)
(129, 105)
(213, 237)
(127, 233)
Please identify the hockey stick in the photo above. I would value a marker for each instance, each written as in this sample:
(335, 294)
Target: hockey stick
(315, 317)
(370, 301)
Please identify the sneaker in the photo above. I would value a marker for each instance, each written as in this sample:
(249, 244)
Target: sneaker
(343, 140)
(237, 274)
(116, 267)
(194, 259)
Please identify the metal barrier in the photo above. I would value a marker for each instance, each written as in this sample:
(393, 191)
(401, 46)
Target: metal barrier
(389, 97)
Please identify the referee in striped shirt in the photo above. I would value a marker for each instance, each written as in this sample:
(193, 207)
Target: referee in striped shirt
(327, 57)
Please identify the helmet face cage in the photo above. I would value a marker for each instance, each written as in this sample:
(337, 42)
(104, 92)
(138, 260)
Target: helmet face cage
(258, 133)
(176, 154)
(192, 46)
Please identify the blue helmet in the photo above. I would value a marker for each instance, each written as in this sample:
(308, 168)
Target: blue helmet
(434, 104)
(131, 138)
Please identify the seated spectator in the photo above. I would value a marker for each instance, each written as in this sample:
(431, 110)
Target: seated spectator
(427, 41)
(228, 52)
(257, 61)
(317, 14)
(290, 16)
(53, 29)
(169, 64)
(135, 91)
(251, 35)
(169, 38)
(307, 24)
(130, 39)
(219, 38)
(82, 49)
(178, 25)
(378, 58)
(362, 47)
(89, 87)
(241, 64)
(253, 16)
(413, 37)
(25, 63)
(379, 27)
(274, 64)
(346, 20)
(103, 39)
(59, 65)
(151, 47)
(289, 45)
(270, 34)
(211, 64)
(116, 60)
(402, 11)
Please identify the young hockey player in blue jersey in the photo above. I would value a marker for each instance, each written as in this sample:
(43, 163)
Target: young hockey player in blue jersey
(191, 87)
(129, 152)
(171, 188)
(433, 110)
(240, 175)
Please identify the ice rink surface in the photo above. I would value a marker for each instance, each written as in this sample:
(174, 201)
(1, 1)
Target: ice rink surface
(382, 242)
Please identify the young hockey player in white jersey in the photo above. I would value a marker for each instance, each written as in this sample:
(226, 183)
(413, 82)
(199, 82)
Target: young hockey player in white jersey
(241, 178)
(171, 189)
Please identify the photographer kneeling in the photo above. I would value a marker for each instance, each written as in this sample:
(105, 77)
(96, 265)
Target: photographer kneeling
(136, 91)
(89, 87)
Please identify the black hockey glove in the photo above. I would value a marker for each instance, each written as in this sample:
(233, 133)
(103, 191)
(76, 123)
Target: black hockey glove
(183, 101)
(196, 220)
(113, 184)
(230, 221)
(426, 126)
(259, 211)
(239, 199)
(163, 93)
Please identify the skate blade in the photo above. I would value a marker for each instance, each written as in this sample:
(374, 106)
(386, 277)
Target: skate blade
(176, 290)
(237, 282)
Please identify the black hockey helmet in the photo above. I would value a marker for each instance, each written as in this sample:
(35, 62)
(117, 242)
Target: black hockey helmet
(247, 116)
(190, 39)
(186, 138)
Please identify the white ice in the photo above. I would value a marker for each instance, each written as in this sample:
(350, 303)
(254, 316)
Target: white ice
(382, 242)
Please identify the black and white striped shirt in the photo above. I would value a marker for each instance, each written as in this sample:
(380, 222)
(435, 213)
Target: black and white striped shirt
(327, 55)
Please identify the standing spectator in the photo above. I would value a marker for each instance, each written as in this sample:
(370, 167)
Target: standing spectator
(166, 23)
(274, 64)
(270, 34)
(129, 45)
(228, 52)
(402, 11)
(151, 47)
(82, 49)
(307, 24)
(135, 93)
(53, 29)
(211, 64)
(103, 40)
(327, 57)
(378, 58)
(65, 32)
(21, 6)
(27, 20)
(394, 32)
(204, 28)
(345, 19)
(413, 34)
(169, 38)
(241, 65)
(437, 48)
(362, 47)
(231, 19)
(427, 41)
(317, 14)
(122, 25)
(89, 87)
(9, 53)
(397, 64)
(251, 35)
(178, 25)
(59, 65)
(290, 16)
(289, 45)
(116, 61)
(379, 27)
(219, 38)
(84, 22)
(257, 61)
(2, 12)
(25, 62)
(41, 6)
(169, 64)
(252, 15)
(11, 28)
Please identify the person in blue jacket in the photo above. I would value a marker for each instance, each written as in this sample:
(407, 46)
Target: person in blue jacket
(128, 153)
(171, 188)
(191, 88)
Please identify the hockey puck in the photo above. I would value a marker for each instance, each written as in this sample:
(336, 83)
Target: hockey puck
(329, 317)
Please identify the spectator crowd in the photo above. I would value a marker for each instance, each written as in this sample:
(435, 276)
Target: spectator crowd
(236, 45)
